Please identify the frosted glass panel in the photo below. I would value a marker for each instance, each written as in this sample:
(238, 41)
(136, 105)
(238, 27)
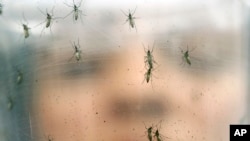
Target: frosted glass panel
(115, 70)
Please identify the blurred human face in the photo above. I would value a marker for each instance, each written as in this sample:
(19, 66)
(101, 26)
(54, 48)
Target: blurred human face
(106, 97)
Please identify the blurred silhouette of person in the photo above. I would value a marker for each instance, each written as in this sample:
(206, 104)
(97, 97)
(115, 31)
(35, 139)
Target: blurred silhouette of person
(106, 97)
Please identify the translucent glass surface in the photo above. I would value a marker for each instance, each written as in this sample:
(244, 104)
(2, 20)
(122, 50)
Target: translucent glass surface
(117, 70)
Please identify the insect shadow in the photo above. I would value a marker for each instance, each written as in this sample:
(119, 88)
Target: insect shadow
(48, 21)
(130, 19)
(186, 56)
(77, 52)
(76, 11)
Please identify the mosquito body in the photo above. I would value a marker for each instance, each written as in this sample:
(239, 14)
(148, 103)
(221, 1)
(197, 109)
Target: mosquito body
(19, 78)
(157, 135)
(49, 138)
(48, 19)
(26, 30)
(148, 75)
(10, 103)
(149, 58)
(1, 9)
(77, 53)
(185, 56)
(130, 18)
(149, 132)
(48, 22)
(76, 11)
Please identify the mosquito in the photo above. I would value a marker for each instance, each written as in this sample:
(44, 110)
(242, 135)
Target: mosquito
(49, 19)
(130, 18)
(76, 11)
(25, 28)
(10, 103)
(18, 75)
(1, 8)
(186, 57)
(158, 135)
(149, 132)
(19, 78)
(49, 138)
(149, 58)
(77, 53)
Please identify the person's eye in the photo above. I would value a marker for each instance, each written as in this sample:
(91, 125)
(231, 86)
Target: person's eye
(81, 69)
(130, 108)
(152, 108)
(121, 109)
